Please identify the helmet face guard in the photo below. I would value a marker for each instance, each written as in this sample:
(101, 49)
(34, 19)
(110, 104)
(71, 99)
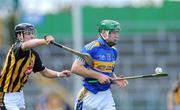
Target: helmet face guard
(25, 28)
(30, 31)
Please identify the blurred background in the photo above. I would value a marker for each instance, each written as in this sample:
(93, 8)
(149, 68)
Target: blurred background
(150, 37)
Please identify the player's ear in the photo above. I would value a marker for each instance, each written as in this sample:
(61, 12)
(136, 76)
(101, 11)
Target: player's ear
(19, 37)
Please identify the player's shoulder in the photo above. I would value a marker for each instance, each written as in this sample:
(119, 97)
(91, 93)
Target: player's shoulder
(114, 48)
(92, 45)
(34, 51)
(16, 45)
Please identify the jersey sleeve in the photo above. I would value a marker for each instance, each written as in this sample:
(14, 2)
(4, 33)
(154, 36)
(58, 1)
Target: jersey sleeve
(88, 49)
(38, 66)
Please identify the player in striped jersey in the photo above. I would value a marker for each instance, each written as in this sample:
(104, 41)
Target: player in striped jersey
(173, 99)
(97, 96)
(20, 62)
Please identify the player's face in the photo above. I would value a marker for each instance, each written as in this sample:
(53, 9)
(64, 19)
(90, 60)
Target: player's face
(28, 35)
(113, 36)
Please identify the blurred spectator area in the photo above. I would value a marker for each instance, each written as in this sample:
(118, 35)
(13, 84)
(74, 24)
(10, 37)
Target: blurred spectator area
(1, 32)
(133, 20)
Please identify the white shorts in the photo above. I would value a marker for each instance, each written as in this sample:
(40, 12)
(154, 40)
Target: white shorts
(14, 101)
(177, 107)
(87, 100)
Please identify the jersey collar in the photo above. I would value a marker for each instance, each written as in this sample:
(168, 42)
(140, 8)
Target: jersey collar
(102, 41)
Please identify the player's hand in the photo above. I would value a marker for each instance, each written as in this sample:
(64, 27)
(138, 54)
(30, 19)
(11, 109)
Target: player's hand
(48, 38)
(104, 79)
(121, 83)
(65, 73)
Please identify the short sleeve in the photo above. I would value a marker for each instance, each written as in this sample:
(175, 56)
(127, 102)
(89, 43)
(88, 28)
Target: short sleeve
(88, 49)
(38, 66)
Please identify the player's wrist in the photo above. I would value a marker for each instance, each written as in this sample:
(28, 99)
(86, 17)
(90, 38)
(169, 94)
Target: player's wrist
(45, 40)
(58, 74)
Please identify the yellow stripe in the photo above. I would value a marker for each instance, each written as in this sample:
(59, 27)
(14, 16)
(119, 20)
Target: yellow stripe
(83, 93)
(4, 67)
(103, 63)
(33, 60)
(103, 66)
(16, 73)
(24, 69)
(9, 74)
(97, 44)
(177, 96)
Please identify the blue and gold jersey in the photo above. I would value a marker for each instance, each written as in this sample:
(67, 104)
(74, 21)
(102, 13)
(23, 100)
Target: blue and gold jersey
(104, 58)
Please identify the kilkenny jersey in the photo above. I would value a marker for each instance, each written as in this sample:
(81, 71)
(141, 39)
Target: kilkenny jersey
(104, 58)
(17, 67)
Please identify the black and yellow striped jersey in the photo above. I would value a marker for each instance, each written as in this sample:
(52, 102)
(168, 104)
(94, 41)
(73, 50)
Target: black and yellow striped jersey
(17, 67)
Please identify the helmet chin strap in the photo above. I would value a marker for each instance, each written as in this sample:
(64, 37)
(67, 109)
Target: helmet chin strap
(111, 44)
(107, 33)
(108, 43)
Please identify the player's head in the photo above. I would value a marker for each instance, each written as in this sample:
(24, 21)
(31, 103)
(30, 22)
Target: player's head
(24, 32)
(109, 31)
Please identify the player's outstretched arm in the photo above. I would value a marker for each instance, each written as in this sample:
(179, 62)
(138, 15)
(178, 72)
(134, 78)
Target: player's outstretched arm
(36, 42)
(54, 74)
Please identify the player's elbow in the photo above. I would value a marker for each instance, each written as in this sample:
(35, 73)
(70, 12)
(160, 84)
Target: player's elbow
(74, 68)
(24, 46)
(78, 68)
(45, 72)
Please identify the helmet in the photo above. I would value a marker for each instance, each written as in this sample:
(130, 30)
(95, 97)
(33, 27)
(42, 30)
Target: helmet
(24, 27)
(109, 25)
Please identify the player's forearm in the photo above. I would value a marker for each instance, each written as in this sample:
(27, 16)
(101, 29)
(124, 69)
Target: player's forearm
(32, 43)
(80, 70)
(85, 73)
(49, 73)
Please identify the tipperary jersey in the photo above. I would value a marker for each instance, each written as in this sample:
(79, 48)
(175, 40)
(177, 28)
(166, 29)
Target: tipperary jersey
(104, 58)
(17, 67)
